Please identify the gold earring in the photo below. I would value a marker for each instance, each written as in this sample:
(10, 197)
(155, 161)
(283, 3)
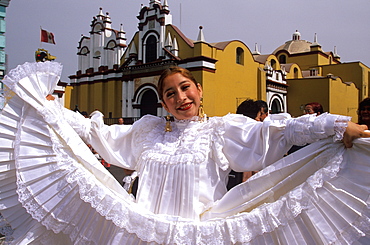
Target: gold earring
(168, 127)
(201, 113)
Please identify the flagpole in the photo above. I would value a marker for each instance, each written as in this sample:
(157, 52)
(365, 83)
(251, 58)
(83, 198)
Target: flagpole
(40, 37)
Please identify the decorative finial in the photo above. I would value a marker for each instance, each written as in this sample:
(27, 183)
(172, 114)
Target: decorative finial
(256, 52)
(201, 35)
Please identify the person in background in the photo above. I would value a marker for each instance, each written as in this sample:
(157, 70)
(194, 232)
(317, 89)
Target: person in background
(84, 113)
(264, 110)
(121, 121)
(95, 153)
(249, 108)
(309, 108)
(100, 159)
(313, 107)
(105, 164)
(364, 112)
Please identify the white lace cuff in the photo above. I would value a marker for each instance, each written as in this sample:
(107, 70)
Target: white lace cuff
(310, 128)
(340, 126)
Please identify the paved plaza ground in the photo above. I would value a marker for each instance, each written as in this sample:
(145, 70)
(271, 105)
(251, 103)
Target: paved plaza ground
(118, 173)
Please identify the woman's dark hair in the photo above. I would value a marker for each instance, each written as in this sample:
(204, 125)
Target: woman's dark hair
(316, 107)
(248, 108)
(262, 104)
(365, 102)
(173, 70)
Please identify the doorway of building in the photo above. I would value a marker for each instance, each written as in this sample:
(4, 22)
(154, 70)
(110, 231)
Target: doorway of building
(148, 103)
(276, 106)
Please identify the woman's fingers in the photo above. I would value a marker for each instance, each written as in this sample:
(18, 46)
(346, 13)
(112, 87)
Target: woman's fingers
(50, 97)
(354, 131)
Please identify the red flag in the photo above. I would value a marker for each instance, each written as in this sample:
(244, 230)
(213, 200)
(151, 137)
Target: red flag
(47, 37)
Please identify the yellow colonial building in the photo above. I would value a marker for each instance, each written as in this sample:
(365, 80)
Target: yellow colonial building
(120, 78)
(318, 76)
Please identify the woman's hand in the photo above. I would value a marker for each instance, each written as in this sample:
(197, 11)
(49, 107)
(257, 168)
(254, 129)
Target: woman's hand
(50, 97)
(354, 131)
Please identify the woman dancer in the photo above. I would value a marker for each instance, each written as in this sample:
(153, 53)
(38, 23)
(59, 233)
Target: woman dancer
(56, 191)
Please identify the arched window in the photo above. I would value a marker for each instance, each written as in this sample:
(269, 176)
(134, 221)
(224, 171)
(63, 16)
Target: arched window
(282, 59)
(295, 73)
(273, 64)
(276, 107)
(151, 49)
(110, 58)
(83, 59)
(97, 60)
(240, 56)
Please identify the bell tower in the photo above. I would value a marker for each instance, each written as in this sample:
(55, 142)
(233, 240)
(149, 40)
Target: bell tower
(103, 49)
(152, 23)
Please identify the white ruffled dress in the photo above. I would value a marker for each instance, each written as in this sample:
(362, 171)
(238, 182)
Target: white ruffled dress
(54, 191)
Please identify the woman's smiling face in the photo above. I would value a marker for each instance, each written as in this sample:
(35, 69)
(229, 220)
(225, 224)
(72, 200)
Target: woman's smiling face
(181, 96)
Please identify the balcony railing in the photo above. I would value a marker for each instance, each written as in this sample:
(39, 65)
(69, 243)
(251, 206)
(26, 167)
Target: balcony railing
(127, 120)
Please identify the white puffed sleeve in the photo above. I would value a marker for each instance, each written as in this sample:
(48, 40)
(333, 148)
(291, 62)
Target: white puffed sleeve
(78, 122)
(251, 145)
(113, 143)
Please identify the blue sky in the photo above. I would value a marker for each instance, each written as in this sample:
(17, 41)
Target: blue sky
(269, 23)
